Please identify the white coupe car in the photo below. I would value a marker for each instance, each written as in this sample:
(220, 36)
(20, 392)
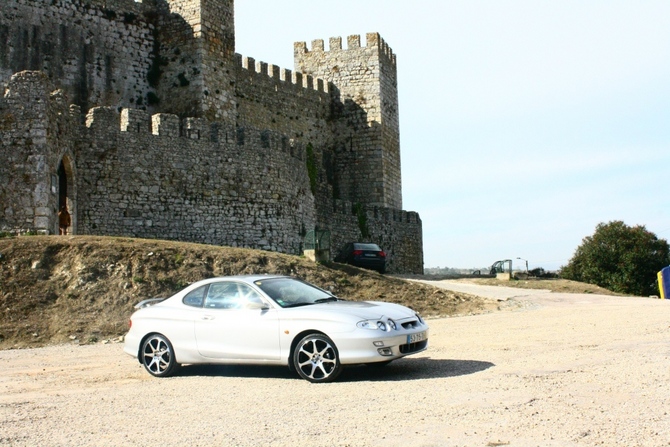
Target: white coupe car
(270, 320)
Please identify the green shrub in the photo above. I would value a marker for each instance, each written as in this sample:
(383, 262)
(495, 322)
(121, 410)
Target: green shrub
(619, 258)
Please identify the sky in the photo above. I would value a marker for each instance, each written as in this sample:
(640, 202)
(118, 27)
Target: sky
(523, 123)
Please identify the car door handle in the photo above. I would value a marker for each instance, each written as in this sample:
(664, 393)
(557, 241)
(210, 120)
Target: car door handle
(208, 317)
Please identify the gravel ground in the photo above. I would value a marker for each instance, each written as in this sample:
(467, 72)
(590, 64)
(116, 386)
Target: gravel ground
(547, 370)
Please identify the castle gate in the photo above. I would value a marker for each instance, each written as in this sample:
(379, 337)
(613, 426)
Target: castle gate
(66, 190)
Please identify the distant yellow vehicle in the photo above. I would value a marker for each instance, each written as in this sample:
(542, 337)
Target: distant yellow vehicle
(664, 283)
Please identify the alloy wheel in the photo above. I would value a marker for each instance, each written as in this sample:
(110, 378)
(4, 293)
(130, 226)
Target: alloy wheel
(158, 356)
(316, 359)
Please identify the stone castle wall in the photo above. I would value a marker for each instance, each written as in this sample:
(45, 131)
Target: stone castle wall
(173, 135)
(397, 232)
(206, 186)
(99, 51)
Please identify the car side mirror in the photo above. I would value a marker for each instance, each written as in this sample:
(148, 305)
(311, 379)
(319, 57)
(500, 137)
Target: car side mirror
(255, 305)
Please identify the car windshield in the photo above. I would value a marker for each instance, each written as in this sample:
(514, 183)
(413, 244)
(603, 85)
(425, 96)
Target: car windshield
(371, 247)
(289, 292)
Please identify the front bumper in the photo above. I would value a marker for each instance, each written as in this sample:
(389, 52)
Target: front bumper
(371, 346)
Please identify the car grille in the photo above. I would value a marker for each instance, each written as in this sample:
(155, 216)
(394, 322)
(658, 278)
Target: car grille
(413, 347)
(411, 324)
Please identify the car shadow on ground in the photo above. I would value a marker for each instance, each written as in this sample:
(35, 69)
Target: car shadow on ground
(400, 370)
(241, 371)
(414, 369)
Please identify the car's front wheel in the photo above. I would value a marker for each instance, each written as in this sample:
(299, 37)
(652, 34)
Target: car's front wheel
(157, 356)
(315, 358)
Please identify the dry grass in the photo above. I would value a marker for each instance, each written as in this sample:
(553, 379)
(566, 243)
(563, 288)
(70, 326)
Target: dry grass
(555, 285)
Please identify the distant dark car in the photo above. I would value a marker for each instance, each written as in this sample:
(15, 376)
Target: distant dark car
(368, 256)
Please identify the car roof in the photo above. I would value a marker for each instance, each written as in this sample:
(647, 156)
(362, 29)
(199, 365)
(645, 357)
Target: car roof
(243, 278)
(366, 244)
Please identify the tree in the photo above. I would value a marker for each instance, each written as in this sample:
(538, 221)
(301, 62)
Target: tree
(619, 258)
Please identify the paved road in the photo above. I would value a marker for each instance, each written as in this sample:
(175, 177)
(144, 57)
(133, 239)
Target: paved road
(559, 370)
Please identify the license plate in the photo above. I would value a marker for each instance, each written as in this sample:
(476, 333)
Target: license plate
(370, 255)
(413, 338)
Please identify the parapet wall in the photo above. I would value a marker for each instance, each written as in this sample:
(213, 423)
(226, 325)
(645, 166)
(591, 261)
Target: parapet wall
(199, 182)
(289, 78)
(107, 121)
(373, 41)
(284, 101)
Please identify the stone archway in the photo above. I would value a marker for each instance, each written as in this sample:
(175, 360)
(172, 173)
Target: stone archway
(67, 190)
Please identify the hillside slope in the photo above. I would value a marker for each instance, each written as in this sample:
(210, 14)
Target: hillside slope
(56, 289)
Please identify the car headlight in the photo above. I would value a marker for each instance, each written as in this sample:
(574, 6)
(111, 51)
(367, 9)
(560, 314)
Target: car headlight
(372, 324)
(419, 317)
(377, 325)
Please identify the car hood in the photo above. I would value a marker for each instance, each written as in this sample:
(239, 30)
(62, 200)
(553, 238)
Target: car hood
(363, 309)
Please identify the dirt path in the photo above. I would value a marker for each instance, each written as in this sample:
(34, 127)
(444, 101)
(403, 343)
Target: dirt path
(552, 370)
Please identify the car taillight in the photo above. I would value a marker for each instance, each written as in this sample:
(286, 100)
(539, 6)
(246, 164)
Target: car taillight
(130, 324)
(357, 252)
(382, 254)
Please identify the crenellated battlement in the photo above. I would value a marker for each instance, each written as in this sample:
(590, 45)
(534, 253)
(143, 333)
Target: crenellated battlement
(166, 125)
(373, 41)
(378, 213)
(107, 121)
(283, 75)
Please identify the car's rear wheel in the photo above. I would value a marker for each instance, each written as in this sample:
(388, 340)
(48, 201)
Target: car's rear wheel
(157, 356)
(315, 358)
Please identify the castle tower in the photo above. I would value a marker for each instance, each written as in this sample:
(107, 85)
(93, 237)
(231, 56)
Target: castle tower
(195, 59)
(366, 93)
(34, 124)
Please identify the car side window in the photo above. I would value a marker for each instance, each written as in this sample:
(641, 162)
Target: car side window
(195, 297)
(230, 295)
(249, 295)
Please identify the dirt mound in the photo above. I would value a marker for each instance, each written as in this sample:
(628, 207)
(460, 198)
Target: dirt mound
(56, 289)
